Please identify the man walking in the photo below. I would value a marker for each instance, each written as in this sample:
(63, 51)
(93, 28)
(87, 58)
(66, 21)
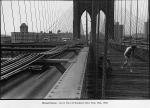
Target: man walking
(127, 54)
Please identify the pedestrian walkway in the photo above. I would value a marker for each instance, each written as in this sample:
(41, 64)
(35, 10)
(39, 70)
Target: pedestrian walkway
(123, 84)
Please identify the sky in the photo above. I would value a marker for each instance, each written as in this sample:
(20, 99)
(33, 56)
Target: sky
(38, 15)
(142, 14)
(53, 15)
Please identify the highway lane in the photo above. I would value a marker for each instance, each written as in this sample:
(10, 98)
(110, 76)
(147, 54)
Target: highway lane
(28, 85)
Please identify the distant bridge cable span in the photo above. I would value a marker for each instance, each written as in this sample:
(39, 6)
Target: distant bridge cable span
(3, 20)
(35, 16)
(31, 15)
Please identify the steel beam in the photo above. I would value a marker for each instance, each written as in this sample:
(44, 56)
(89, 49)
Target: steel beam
(69, 86)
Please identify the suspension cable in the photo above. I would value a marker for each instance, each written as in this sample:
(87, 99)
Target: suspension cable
(148, 26)
(145, 14)
(35, 16)
(39, 16)
(133, 20)
(56, 16)
(3, 20)
(117, 29)
(140, 16)
(99, 22)
(130, 22)
(54, 24)
(13, 16)
(121, 11)
(19, 12)
(53, 12)
(115, 3)
(61, 22)
(118, 12)
(67, 21)
(115, 10)
(121, 21)
(137, 20)
(50, 13)
(31, 15)
(25, 12)
(125, 21)
(45, 15)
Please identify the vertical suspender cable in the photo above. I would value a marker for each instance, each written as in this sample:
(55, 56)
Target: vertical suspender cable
(117, 11)
(148, 27)
(96, 45)
(25, 12)
(121, 22)
(31, 15)
(13, 24)
(19, 12)
(50, 3)
(67, 19)
(145, 14)
(13, 16)
(148, 33)
(3, 20)
(117, 26)
(137, 19)
(35, 16)
(50, 13)
(130, 22)
(47, 16)
(99, 24)
(55, 17)
(39, 16)
(142, 15)
(47, 13)
(115, 19)
(53, 12)
(105, 52)
(86, 28)
(125, 21)
(43, 17)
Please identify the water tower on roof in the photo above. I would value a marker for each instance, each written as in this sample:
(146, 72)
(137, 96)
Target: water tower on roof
(24, 28)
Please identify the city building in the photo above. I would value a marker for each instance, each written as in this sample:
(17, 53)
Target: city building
(118, 32)
(30, 37)
(24, 36)
(5, 39)
(23, 28)
(146, 29)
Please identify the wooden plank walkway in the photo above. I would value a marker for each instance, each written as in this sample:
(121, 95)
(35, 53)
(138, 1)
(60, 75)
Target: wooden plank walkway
(123, 84)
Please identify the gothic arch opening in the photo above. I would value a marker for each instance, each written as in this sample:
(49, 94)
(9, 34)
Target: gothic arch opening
(101, 21)
(85, 26)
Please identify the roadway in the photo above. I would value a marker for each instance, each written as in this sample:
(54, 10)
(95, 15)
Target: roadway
(29, 85)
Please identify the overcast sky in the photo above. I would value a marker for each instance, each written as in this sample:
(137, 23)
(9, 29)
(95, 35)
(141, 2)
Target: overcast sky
(54, 15)
(45, 14)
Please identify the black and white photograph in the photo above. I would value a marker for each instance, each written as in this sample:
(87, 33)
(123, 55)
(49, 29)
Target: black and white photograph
(75, 50)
